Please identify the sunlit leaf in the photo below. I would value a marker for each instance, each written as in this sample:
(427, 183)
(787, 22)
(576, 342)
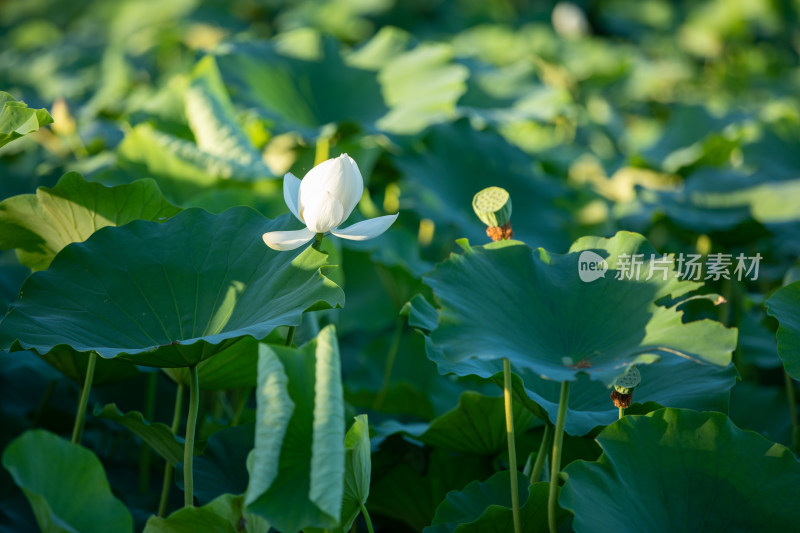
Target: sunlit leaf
(298, 465)
(39, 226)
(170, 294)
(17, 119)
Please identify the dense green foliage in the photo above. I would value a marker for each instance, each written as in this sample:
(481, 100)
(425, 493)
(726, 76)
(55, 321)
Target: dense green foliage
(142, 150)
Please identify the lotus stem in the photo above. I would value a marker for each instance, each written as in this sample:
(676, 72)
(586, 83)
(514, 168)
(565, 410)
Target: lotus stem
(621, 413)
(188, 451)
(80, 416)
(367, 519)
(168, 469)
(512, 451)
(538, 466)
(555, 467)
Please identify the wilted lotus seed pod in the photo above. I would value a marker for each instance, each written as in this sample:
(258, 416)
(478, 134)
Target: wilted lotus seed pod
(622, 395)
(493, 207)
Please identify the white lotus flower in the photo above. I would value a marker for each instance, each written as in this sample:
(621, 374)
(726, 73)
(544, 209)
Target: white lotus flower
(322, 200)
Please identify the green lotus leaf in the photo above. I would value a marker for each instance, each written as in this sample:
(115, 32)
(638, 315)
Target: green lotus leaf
(225, 514)
(18, 120)
(221, 151)
(531, 307)
(504, 319)
(65, 484)
(298, 464)
(158, 436)
(358, 470)
(212, 119)
(477, 425)
(170, 294)
(232, 368)
(183, 171)
(421, 87)
(40, 225)
(485, 506)
(785, 306)
(677, 469)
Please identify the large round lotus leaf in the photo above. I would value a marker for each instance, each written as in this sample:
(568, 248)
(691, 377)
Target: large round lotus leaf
(785, 306)
(679, 470)
(170, 294)
(505, 300)
(39, 225)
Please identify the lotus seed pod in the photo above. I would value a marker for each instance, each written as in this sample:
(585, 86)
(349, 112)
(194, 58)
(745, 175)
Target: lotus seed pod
(628, 381)
(493, 206)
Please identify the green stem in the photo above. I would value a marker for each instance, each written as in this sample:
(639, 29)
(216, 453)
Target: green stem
(367, 519)
(145, 455)
(512, 451)
(555, 467)
(621, 412)
(792, 409)
(538, 466)
(168, 469)
(188, 451)
(80, 417)
(290, 335)
(387, 374)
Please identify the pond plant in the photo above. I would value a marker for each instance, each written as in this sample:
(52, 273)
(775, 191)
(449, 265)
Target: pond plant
(193, 338)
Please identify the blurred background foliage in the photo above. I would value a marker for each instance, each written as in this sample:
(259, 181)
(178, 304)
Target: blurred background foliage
(678, 120)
